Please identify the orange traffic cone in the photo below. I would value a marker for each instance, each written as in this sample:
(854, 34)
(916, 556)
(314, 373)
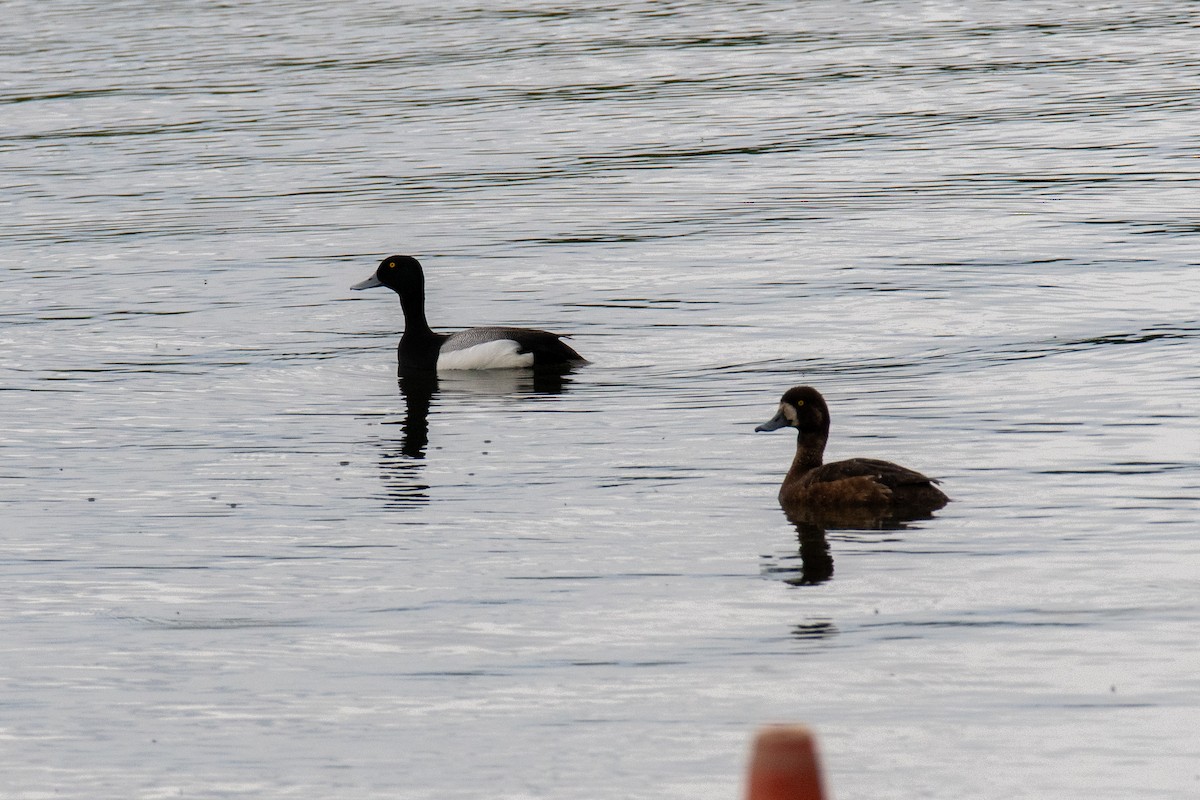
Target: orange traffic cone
(784, 765)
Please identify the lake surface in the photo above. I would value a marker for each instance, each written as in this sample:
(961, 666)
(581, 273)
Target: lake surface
(241, 561)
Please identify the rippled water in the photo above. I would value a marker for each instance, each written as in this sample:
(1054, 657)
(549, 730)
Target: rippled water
(240, 561)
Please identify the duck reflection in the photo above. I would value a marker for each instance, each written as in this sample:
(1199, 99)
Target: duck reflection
(417, 389)
(402, 459)
(518, 382)
(812, 533)
(814, 629)
(816, 560)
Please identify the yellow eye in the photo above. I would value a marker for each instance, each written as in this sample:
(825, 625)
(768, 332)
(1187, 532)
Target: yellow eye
(799, 403)
(391, 265)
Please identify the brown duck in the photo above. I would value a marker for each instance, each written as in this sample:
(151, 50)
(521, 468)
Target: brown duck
(857, 483)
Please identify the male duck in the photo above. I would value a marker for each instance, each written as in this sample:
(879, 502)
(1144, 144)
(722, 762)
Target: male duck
(858, 483)
(475, 348)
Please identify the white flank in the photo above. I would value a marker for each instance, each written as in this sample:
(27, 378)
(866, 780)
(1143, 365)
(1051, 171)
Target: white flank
(496, 354)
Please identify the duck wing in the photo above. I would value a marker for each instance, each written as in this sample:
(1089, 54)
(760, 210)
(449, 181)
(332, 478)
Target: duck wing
(885, 472)
(866, 482)
(522, 346)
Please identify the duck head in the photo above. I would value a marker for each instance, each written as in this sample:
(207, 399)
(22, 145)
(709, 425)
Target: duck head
(401, 274)
(802, 408)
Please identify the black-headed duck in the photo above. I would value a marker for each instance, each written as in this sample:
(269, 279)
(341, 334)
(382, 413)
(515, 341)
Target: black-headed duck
(857, 483)
(475, 348)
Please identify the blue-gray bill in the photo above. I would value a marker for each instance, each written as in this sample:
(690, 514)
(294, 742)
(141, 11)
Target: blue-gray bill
(773, 424)
(369, 283)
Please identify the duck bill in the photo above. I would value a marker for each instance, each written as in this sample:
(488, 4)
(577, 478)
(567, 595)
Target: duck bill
(773, 424)
(369, 283)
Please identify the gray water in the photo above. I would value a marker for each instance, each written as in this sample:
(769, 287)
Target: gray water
(240, 561)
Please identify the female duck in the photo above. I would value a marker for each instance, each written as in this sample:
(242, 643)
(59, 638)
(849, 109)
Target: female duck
(475, 348)
(858, 483)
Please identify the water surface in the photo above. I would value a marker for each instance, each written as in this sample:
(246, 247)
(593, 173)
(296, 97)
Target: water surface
(242, 561)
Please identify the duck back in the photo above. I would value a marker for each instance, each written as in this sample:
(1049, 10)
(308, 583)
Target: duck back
(864, 482)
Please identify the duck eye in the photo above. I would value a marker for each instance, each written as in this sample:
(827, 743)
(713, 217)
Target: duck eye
(391, 265)
(799, 403)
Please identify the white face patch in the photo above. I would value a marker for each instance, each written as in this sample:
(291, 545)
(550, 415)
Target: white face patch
(790, 414)
(496, 354)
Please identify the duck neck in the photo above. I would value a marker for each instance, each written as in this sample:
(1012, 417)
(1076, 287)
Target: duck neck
(415, 324)
(810, 450)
